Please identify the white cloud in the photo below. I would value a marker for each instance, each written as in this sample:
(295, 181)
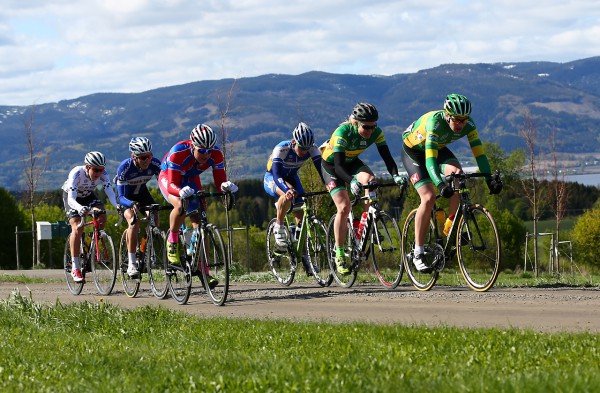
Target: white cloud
(64, 49)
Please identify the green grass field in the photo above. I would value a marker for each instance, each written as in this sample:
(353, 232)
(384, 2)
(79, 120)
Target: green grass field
(102, 348)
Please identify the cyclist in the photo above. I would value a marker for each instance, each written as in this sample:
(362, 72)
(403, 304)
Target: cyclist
(79, 196)
(341, 166)
(132, 175)
(281, 178)
(179, 178)
(425, 157)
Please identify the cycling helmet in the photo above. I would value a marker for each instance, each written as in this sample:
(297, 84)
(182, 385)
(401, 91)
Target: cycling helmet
(95, 158)
(303, 135)
(202, 136)
(457, 105)
(365, 112)
(140, 145)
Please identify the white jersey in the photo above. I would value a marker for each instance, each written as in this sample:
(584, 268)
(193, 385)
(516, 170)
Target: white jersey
(79, 185)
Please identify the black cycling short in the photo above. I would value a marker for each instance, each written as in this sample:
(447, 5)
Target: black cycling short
(414, 163)
(333, 183)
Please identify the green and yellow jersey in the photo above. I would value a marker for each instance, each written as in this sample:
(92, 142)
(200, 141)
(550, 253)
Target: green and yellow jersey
(346, 139)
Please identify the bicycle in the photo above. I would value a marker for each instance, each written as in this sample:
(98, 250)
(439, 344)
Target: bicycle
(151, 255)
(310, 236)
(208, 257)
(473, 237)
(380, 238)
(97, 255)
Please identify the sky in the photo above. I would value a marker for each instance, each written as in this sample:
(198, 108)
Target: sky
(64, 49)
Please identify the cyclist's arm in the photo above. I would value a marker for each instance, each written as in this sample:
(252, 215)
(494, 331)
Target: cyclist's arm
(278, 172)
(110, 192)
(431, 155)
(386, 155)
(122, 190)
(70, 187)
(478, 152)
(316, 159)
(339, 157)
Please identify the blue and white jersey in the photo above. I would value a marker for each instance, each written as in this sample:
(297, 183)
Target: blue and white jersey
(131, 180)
(285, 163)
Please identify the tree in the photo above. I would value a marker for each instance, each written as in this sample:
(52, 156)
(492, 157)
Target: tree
(586, 237)
(12, 217)
(559, 194)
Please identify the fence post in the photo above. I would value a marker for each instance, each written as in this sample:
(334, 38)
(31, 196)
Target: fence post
(247, 249)
(17, 246)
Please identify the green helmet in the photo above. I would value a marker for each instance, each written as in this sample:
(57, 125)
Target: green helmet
(457, 105)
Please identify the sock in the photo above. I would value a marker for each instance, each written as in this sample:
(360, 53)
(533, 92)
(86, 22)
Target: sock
(174, 236)
(339, 251)
(131, 256)
(419, 250)
(76, 264)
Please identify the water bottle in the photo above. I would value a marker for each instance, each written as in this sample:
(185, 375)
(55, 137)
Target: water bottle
(440, 216)
(192, 245)
(448, 225)
(187, 238)
(361, 225)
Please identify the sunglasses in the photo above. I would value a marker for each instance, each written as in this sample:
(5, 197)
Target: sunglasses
(144, 158)
(204, 151)
(367, 127)
(97, 170)
(459, 120)
(303, 148)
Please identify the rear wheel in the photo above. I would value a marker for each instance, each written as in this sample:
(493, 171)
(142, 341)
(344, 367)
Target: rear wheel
(104, 263)
(156, 259)
(423, 281)
(179, 276)
(386, 250)
(214, 264)
(282, 261)
(351, 254)
(316, 251)
(131, 286)
(478, 248)
(74, 287)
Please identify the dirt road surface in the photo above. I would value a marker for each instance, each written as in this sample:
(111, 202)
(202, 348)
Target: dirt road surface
(539, 309)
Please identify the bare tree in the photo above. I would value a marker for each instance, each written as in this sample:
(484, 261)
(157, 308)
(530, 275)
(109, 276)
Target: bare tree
(33, 173)
(559, 194)
(531, 188)
(225, 133)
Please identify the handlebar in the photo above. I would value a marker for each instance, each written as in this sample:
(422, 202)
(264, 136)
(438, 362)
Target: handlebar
(374, 186)
(463, 176)
(228, 198)
(305, 195)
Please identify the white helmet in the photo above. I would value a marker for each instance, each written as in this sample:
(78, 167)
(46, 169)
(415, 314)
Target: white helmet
(303, 135)
(140, 145)
(202, 136)
(95, 158)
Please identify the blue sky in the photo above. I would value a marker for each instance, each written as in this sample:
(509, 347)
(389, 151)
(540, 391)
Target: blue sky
(62, 49)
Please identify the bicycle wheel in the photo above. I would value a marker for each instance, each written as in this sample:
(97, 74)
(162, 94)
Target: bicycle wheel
(350, 254)
(74, 287)
(179, 276)
(282, 260)
(104, 263)
(316, 247)
(386, 250)
(130, 286)
(423, 281)
(478, 248)
(156, 257)
(213, 263)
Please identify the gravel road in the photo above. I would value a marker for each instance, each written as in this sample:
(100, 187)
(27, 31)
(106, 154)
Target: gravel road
(539, 309)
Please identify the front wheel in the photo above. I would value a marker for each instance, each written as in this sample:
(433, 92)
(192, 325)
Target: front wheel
(423, 281)
(156, 260)
(214, 264)
(351, 254)
(282, 261)
(131, 286)
(104, 263)
(74, 287)
(478, 248)
(316, 247)
(386, 250)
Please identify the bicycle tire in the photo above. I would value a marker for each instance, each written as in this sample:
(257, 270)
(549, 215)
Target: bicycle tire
(282, 261)
(179, 276)
(104, 268)
(74, 287)
(350, 251)
(131, 286)
(386, 250)
(316, 247)
(213, 251)
(478, 248)
(423, 281)
(156, 259)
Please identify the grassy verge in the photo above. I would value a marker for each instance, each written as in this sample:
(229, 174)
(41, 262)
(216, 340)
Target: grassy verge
(99, 347)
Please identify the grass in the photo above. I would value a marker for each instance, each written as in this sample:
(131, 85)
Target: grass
(99, 347)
